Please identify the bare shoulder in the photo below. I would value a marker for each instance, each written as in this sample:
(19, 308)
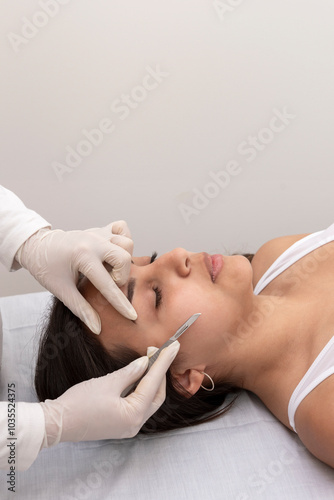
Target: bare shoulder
(269, 252)
(314, 422)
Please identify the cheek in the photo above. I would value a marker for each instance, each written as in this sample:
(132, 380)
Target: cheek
(187, 301)
(197, 299)
(237, 277)
(207, 327)
(147, 336)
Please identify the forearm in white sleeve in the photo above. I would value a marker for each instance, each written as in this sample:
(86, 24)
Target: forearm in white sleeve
(17, 224)
(29, 432)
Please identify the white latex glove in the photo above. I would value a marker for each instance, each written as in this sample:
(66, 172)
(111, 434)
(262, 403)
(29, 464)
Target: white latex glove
(56, 257)
(94, 409)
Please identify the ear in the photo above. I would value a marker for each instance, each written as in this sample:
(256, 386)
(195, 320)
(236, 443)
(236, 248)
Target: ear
(190, 379)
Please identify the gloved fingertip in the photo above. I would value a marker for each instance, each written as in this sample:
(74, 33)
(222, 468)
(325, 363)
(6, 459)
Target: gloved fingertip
(151, 350)
(119, 277)
(94, 324)
(172, 349)
(140, 363)
(132, 314)
(129, 312)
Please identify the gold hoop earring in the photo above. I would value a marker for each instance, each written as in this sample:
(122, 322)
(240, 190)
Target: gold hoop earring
(212, 382)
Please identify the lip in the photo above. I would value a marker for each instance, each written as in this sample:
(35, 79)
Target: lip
(217, 264)
(208, 263)
(214, 264)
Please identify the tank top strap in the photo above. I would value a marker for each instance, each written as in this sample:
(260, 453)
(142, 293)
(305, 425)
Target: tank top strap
(321, 368)
(323, 365)
(295, 252)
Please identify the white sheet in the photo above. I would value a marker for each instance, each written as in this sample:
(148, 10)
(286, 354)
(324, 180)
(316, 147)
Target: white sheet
(244, 455)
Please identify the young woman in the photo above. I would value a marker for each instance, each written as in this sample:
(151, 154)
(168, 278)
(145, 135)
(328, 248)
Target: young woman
(266, 325)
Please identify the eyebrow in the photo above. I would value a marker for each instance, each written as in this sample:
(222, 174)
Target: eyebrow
(131, 289)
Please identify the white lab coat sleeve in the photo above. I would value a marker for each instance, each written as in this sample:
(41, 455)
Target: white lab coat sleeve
(29, 431)
(17, 224)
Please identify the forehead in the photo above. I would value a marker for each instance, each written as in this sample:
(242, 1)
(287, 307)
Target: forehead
(90, 293)
(141, 261)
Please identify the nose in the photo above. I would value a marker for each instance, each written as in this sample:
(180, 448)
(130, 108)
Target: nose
(177, 260)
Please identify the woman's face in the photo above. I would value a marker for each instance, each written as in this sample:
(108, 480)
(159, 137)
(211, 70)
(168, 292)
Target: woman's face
(166, 292)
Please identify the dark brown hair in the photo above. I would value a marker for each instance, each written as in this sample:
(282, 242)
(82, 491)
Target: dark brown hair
(69, 353)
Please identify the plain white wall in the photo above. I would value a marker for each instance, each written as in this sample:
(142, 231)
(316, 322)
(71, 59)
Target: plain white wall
(229, 67)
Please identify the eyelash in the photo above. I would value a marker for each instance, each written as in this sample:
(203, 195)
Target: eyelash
(157, 291)
(154, 256)
(158, 296)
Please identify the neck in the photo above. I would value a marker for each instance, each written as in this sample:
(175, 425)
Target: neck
(266, 341)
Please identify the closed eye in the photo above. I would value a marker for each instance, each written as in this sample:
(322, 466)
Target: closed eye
(158, 296)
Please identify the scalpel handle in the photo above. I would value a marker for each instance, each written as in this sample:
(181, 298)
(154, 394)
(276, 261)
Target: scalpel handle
(152, 359)
(155, 356)
(133, 386)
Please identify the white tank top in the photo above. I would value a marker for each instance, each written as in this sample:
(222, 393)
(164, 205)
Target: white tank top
(323, 365)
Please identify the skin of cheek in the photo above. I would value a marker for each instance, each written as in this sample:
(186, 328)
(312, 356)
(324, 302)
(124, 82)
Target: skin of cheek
(200, 341)
(147, 332)
(212, 338)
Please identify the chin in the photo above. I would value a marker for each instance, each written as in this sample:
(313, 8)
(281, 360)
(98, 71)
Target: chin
(242, 261)
(242, 270)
